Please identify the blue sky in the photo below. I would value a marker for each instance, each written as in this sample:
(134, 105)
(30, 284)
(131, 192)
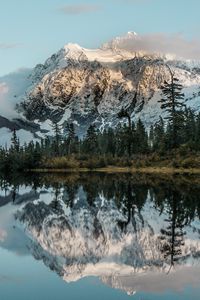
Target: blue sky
(31, 30)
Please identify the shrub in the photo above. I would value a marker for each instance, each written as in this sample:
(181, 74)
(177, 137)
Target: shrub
(190, 162)
(61, 163)
(94, 163)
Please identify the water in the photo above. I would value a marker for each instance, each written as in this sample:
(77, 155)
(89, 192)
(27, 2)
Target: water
(100, 236)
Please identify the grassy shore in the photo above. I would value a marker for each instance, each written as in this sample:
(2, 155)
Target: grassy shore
(151, 164)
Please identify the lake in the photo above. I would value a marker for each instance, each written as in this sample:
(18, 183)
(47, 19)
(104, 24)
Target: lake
(100, 236)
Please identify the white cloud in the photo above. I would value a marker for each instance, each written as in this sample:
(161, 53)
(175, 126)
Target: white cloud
(12, 86)
(164, 44)
(4, 46)
(5, 105)
(79, 9)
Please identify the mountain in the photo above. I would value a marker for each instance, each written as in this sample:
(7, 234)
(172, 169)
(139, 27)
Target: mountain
(92, 85)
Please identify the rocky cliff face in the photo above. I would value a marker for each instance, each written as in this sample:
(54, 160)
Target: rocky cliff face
(82, 86)
(93, 86)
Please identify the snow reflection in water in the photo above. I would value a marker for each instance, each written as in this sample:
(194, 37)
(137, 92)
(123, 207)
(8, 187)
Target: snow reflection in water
(135, 233)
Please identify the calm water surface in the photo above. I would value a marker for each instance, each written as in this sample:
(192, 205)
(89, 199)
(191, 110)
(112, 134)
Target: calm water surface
(100, 236)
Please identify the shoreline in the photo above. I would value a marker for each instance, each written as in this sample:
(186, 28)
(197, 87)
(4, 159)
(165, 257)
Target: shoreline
(112, 169)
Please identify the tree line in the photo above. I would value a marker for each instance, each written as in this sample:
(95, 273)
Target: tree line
(179, 130)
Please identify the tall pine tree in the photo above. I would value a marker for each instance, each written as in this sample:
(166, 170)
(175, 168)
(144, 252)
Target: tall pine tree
(172, 103)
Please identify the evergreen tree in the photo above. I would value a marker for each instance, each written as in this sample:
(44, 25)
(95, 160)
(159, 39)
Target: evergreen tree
(141, 138)
(172, 103)
(15, 141)
(159, 136)
(111, 143)
(91, 143)
(120, 142)
(57, 138)
(128, 130)
(72, 139)
(189, 130)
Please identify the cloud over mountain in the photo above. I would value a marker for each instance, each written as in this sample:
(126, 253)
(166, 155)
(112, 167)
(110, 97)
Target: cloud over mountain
(160, 43)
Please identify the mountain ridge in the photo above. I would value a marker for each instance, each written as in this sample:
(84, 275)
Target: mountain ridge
(87, 86)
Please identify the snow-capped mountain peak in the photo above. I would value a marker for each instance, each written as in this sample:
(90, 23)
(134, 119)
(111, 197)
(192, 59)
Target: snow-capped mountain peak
(131, 34)
(74, 51)
(86, 86)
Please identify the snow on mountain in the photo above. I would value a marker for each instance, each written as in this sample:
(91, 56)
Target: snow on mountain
(92, 85)
(103, 55)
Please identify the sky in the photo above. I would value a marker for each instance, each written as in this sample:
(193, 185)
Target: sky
(32, 30)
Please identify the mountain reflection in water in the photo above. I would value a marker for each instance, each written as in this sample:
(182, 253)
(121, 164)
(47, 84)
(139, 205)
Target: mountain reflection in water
(136, 233)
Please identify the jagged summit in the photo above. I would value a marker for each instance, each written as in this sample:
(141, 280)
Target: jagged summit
(117, 43)
(107, 53)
